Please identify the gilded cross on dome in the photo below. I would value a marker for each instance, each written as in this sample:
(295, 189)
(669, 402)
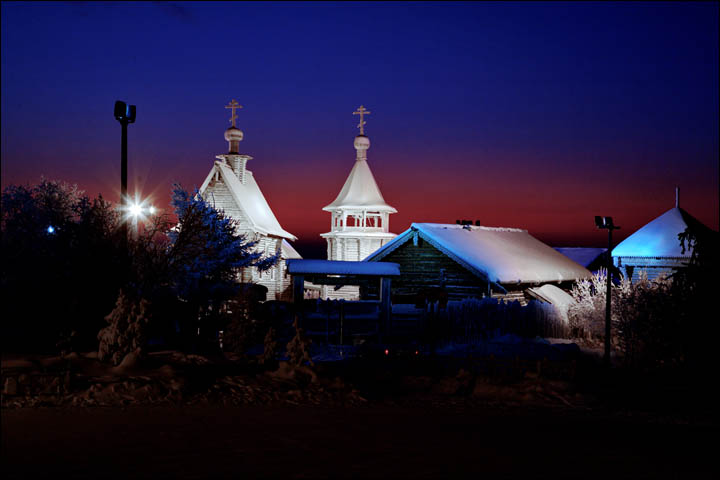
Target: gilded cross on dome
(361, 111)
(232, 106)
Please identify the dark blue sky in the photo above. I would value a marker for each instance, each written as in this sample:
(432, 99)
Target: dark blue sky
(533, 115)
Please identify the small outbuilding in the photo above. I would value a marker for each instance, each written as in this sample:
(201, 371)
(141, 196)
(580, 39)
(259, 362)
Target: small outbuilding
(474, 261)
(337, 274)
(655, 248)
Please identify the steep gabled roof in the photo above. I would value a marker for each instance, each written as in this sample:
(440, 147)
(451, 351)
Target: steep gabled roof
(287, 251)
(360, 191)
(249, 199)
(500, 255)
(659, 238)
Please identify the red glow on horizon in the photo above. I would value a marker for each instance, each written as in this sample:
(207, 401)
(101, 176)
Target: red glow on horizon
(556, 205)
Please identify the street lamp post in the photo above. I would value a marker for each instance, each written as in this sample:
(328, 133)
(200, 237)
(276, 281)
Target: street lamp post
(125, 114)
(607, 223)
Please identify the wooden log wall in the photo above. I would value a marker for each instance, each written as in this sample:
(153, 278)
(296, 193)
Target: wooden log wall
(422, 266)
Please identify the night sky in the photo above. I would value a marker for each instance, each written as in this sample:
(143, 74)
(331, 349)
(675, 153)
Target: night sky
(528, 115)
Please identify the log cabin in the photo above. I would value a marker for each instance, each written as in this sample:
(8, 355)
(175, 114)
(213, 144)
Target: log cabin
(466, 261)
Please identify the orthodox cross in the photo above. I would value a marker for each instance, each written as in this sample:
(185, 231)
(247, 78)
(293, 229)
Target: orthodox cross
(232, 106)
(362, 112)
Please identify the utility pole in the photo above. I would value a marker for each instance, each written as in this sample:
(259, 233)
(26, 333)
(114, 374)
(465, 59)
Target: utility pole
(125, 114)
(607, 223)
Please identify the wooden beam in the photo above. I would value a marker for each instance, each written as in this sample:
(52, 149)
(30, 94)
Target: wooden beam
(298, 296)
(385, 306)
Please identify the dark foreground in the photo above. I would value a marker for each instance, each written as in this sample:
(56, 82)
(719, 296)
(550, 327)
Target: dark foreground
(358, 442)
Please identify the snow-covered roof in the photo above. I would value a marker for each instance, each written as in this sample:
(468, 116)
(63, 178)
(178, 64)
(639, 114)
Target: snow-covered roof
(287, 250)
(250, 200)
(581, 255)
(360, 191)
(335, 267)
(659, 238)
(501, 255)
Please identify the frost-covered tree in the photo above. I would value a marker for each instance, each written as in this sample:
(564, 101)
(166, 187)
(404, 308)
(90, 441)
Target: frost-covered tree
(60, 266)
(660, 324)
(206, 254)
(186, 269)
(695, 286)
(63, 264)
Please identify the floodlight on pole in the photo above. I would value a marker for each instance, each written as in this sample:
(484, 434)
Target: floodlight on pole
(607, 223)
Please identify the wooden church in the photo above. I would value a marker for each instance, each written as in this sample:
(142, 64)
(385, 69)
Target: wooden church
(231, 187)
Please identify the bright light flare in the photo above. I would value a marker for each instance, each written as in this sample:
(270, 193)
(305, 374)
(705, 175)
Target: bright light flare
(138, 209)
(135, 210)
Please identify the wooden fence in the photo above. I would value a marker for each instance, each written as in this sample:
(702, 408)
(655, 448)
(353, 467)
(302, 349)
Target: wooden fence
(475, 320)
(463, 321)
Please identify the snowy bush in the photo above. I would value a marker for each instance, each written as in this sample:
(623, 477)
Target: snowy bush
(125, 333)
(651, 328)
(270, 349)
(298, 349)
(647, 325)
(587, 315)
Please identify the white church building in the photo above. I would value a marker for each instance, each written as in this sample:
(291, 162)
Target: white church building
(231, 187)
(360, 217)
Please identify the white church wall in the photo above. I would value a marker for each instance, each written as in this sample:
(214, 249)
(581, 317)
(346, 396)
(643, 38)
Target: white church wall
(219, 195)
(244, 203)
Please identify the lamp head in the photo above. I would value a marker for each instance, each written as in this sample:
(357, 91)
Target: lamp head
(120, 109)
(124, 112)
(604, 222)
(131, 112)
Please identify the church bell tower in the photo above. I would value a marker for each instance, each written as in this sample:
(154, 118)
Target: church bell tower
(360, 216)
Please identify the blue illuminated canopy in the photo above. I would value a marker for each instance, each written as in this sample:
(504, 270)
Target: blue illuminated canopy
(659, 238)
